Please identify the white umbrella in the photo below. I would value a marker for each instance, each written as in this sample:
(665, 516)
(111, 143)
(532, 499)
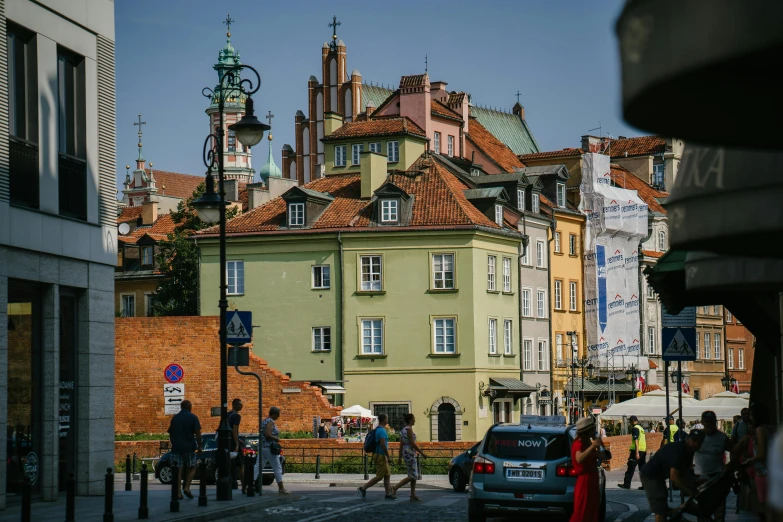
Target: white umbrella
(650, 406)
(725, 405)
(357, 411)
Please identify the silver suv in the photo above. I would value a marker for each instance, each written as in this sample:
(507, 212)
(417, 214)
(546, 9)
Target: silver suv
(526, 468)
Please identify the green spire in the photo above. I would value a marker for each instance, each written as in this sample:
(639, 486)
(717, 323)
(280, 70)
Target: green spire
(227, 58)
(270, 169)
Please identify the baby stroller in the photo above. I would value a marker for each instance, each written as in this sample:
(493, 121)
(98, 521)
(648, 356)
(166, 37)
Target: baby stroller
(707, 498)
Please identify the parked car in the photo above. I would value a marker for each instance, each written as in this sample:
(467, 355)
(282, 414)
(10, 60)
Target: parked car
(526, 468)
(460, 468)
(163, 469)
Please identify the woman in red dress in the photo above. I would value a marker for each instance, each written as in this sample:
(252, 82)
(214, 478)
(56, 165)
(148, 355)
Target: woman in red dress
(584, 459)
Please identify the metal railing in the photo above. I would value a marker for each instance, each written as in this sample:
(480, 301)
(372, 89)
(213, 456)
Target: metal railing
(351, 460)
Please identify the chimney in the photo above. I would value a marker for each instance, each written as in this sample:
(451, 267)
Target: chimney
(519, 110)
(231, 186)
(438, 91)
(593, 144)
(373, 172)
(415, 100)
(149, 212)
(369, 109)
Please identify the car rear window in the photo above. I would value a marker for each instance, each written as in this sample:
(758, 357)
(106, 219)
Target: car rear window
(527, 446)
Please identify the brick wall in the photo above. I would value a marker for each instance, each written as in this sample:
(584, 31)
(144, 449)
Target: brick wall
(620, 447)
(146, 345)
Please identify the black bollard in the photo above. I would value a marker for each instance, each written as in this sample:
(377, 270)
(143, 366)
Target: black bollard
(366, 474)
(70, 498)
(144, 512)
(174, 504)
(128, 485)
(317, 466)
(249, 472)
(26, 490)
(202, 484)
(108, 498)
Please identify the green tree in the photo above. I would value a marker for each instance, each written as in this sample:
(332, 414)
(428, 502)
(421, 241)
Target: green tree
(177, 259)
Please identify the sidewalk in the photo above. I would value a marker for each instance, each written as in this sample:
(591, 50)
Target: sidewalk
(126, 505)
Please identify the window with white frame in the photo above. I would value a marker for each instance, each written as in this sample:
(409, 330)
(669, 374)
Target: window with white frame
(718, 347)
(499, 214)
(526, 304)
(696, 348)
(507, 274)
(558, 294)
(371, 273)
(147, 256)
(540, 259)
(658, 175)
(661, 241)
(706, 346)
(559, 347)
(375, 147)
(536, 202)
(372, 336)
(149, 304)
(436, 143)
(730, 358)
(651, 340)
(527, 354)
(521, 199)
(321, 276)
(561, 195)
(508, 348)
(339, 155)
(445, 335)
(557, 242)
(128, 305)
(322, 339)
(572, 297)
(356, 153)
(541, 303)
(715, 310)
(296, 214)
(450, 146)
(741, 358)
(650, 292)
(543, 355)
(389, 210)
(392, 151)
(491, 264)
(235, 276)
(443, 271)
(571, 244)
(525, 259)
(493, 336)
(728, 316)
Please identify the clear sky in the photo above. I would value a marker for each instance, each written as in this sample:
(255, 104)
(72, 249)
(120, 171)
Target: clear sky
(561, 55)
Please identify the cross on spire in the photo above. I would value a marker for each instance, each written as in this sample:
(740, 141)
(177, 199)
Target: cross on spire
(426, 63)
(518, 95)
(140, 123)
(269, 117)
(334, 25)
(228, 21)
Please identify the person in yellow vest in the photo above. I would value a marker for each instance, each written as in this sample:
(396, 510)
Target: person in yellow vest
(638, 452)
(670, 433)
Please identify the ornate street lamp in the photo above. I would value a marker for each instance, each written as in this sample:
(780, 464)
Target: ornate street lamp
(211, 208)
(728, 381)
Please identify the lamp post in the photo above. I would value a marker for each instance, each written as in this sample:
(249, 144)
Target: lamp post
(677, 380)
(211, 208)
(728, 381)
(585, 365)
(631, 374)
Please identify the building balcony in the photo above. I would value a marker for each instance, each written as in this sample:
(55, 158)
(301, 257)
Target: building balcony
(25, 176)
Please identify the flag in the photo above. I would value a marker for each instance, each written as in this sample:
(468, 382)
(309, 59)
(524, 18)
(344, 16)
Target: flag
(640, 383)
(686, 387)
(735, 387)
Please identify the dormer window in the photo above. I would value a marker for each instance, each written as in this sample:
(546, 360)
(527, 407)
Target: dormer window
(389, 210)
(561, 195)
(499, 214)
(521, 199)
(296, 214)
(536, 199)
(147, 258)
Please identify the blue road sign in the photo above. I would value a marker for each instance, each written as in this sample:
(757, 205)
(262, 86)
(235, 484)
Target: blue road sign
(239, 327)
(679, 344)
(173, 373)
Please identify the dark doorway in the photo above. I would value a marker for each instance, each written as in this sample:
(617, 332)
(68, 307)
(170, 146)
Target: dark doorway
(67, 407)
(447, 423)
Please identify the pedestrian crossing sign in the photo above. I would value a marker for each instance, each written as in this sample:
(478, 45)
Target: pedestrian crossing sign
(239, 327)
(679, 344)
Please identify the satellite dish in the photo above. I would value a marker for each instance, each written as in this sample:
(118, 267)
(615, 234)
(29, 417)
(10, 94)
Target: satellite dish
(124, 228)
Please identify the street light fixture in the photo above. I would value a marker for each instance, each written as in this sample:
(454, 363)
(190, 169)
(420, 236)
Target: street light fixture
(211, 208)
(728, 381)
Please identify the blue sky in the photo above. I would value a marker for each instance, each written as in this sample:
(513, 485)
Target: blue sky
(562, 56)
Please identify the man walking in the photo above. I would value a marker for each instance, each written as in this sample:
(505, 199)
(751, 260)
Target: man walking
(740, 429)
(382, 460)
(638, 452)
(234, 419)
(670, 433)
(185, 436)
(709, 460)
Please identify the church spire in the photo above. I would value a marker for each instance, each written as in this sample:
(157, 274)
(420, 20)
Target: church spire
(270, 169)
(139, 124)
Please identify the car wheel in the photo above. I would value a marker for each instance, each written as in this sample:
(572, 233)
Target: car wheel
(602, 509)
(165, 474)
(476, 513)
(267, 480)
(458, 481)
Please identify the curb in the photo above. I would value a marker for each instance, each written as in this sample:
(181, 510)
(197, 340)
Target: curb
(237, 510)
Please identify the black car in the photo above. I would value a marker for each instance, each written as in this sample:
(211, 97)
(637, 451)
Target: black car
(460, 468)
(163, 470)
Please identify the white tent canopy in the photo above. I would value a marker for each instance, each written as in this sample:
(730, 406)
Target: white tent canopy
(649, 407)
(725, 405)
(357, 411)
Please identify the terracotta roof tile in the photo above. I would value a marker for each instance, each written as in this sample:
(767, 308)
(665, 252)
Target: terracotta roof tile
(158, 231)
(440, 109)
(652, 253)
(495, 149)
(551, 154)
(377, 127)
(129, 214)
(414, 80)
(624, 178)
(439, 202)
(456, 98)
(640, 146)
(176, 185)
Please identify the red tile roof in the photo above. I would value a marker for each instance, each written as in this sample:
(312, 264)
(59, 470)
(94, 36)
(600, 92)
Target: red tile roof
(158, 231)
(129, 214)
(176, 185)
(495, 149)
(562, 153)
(624, 178)
(377, 127)
(640, 146)
(442, 110)
(652, 253)
(439, 202)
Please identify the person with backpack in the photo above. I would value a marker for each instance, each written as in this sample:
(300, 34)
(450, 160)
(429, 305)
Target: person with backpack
(377, 443)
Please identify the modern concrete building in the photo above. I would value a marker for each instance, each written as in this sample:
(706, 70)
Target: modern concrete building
(58, 245)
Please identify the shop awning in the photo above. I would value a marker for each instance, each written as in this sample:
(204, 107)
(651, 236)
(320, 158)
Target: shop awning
(601, 386)
(510, 386)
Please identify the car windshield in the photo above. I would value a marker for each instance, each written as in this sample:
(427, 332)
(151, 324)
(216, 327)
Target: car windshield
(209, 443)
(527, 446)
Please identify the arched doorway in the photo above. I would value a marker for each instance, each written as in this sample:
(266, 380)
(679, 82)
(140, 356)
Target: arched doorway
(447, 423)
